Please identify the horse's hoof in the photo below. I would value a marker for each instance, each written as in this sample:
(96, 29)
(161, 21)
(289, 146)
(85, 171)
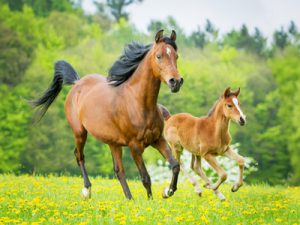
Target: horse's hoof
(86, 193)
(167, 193)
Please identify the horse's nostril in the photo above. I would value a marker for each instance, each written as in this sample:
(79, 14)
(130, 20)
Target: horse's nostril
(172, 81)
(181, 81)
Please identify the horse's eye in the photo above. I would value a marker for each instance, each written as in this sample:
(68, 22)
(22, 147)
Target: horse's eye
(158, 56)
(229, 106)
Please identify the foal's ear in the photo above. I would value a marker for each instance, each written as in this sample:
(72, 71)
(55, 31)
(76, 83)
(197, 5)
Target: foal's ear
(227, 92)
(173, 35)
(159, 36)
(237, 92)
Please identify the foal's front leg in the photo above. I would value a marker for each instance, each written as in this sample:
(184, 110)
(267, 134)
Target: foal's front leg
(211, 159)
(241, 162)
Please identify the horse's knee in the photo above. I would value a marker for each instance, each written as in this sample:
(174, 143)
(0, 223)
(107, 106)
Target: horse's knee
(146, 180)
(176, 168)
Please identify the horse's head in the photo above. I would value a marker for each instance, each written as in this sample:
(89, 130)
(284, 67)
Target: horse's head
(164, 60)
(231, 107)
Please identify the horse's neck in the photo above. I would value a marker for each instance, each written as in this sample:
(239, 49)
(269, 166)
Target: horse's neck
(221, 124)
(144, 86)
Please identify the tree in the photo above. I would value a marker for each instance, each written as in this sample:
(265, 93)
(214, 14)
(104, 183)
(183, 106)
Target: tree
(280, 38)
(41, 8)
(199, 38)
(116, 7)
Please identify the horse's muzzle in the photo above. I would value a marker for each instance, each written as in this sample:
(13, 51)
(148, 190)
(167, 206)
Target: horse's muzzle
(175, 84)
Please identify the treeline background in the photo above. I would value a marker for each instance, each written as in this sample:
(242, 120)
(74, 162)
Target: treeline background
(34, 34)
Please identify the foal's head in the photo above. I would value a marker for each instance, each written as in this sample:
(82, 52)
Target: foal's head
(164, 60)
(231, 107)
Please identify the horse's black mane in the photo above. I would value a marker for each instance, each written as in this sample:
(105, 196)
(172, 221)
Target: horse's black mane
(133, 54)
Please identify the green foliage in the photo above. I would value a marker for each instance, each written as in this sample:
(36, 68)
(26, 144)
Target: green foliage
(37, 35)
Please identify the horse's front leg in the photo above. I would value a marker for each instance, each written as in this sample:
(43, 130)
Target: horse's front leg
(116, 152)
(137, 156)
(162, 146)
(241, 162)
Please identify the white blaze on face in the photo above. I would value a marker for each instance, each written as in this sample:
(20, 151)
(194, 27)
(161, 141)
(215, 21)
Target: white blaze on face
(168, 51)
(236, 103)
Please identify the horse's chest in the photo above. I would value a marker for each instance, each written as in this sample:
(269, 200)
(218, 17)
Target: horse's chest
(149, 135)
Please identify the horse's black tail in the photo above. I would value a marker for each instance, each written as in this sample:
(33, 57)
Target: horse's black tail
(165, 112)
(63, 74)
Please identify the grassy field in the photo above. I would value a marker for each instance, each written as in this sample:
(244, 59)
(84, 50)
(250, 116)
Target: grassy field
(56, 200)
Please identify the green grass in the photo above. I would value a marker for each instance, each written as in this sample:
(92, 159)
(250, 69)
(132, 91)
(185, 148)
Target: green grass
(57, 200)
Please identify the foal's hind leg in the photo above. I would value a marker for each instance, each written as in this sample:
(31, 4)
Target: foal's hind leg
(211, 159)
(80, 138)
(196, 166)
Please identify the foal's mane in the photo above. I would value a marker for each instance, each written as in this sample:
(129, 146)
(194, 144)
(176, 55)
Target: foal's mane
(213, 109)
(133, 54)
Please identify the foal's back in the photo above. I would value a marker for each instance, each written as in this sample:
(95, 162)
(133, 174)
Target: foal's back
(187, 131)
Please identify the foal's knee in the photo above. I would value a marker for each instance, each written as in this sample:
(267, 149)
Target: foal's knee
(223, 176)
(241, 161)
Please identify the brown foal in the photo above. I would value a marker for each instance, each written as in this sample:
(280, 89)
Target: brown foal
(121, 110)
(207, 137)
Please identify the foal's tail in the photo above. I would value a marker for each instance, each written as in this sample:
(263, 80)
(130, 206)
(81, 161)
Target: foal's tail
(165, 112)
(64, 73)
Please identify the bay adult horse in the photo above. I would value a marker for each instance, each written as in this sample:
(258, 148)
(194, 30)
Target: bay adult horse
(207, 137)
(121, 110)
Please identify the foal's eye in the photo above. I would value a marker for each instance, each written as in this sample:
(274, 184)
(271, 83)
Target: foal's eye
(229, 106)
(158, 56)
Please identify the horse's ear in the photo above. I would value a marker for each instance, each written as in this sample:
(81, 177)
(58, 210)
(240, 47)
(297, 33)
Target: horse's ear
(227, 92)
(237, 92)
(159, 36)
(173, 35)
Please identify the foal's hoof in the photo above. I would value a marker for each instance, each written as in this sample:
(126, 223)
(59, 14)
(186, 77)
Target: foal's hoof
(235, 188)
(86, 193)
(208, 186)
(199, 193)
(167, 193)
(220, 196)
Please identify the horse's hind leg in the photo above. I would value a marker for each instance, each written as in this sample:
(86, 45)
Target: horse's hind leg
(80, 139)
(177, 150)
(197, 167)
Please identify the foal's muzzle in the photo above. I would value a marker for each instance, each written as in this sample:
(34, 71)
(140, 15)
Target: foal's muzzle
(175, 84)
(242, 121)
